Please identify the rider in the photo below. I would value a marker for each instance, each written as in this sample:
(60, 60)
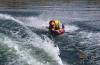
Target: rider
(55, 27)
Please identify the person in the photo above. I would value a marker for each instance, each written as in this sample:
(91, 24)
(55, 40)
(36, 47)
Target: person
(55, 27)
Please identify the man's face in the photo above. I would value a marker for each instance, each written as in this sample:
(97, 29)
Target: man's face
(53, 24)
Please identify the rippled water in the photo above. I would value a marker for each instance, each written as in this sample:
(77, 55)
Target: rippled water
(24, 40)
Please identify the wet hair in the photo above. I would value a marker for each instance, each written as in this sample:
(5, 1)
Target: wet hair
(51, 22)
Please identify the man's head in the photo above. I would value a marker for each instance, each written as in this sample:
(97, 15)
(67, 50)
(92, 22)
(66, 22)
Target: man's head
(54, 23)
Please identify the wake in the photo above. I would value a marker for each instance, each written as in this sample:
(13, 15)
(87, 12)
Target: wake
(36, 42)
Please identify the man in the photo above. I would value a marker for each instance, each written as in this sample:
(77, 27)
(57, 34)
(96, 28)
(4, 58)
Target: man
(55, 27)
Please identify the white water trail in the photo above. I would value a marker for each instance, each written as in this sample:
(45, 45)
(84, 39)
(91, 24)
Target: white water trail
(36, 41)
(43, 24)
(9, 17)
(70, 28)
(24, 55)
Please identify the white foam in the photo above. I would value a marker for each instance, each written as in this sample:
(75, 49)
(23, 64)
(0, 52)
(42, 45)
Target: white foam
(48, 46)
(34, 21)
(42, 24)
(70, 28)
(9, 17)
(36, 41)
(23, 54)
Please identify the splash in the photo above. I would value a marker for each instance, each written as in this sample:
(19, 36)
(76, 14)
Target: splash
(37, 42)
(70, 28)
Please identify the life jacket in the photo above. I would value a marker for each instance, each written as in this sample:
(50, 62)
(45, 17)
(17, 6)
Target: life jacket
(57, 24)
